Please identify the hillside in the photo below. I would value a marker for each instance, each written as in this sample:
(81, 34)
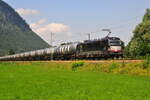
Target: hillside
(15, 33)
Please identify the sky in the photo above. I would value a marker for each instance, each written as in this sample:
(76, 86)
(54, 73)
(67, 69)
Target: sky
(72, 20)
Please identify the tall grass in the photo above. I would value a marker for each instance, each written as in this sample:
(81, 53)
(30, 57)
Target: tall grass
(146, 63)
(76, 65)
(135, 68)
(57, 81)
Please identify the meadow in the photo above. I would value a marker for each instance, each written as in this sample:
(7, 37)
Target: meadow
(74, 81)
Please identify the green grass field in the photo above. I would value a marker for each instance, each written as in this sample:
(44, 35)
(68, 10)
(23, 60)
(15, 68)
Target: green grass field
(54, 81)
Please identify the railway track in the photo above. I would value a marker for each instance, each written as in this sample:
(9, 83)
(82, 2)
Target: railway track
(89, 61)
(101, 61)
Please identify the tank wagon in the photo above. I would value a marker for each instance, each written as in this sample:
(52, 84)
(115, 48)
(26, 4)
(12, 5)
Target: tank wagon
(108, 47)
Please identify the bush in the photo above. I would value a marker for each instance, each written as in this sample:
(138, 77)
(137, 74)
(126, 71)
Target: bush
(75, 65)
(113, 66)
(146, 63)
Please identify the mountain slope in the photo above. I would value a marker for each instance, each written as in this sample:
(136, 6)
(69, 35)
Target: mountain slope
(15, 33)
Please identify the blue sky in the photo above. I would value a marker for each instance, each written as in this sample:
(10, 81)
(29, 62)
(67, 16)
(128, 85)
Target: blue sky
(80, 17)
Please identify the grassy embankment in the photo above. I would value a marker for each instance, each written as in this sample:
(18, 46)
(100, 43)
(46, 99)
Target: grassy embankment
(74, 81)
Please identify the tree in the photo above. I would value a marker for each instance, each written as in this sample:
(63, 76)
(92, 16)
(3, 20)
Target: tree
(140, 43)
(11, 52)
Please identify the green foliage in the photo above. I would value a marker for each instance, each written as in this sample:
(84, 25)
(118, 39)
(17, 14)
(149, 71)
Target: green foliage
(146, 63)
(147, 15)
(38, 81)
(113, 66)
(140, 43)
(75, 65)
(15, 33)
(11, 52)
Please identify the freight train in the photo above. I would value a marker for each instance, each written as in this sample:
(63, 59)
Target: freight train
(108, 47)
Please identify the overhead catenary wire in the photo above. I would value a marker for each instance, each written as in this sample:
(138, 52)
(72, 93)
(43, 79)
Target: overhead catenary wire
(118, 25)
(114, 25)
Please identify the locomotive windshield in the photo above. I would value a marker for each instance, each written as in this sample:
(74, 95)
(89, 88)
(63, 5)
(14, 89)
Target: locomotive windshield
(115, 43)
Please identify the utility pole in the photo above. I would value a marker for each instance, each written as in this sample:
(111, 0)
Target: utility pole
(51, 39)
(89, 36)
(51, 45)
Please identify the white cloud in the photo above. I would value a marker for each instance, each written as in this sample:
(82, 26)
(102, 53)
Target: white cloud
(37, 25)
(27, 12)
(43, 29)
(42, 21)
(53, 27)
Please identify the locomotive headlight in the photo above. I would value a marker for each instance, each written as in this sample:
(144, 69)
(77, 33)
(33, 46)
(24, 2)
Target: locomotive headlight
(115, 48)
